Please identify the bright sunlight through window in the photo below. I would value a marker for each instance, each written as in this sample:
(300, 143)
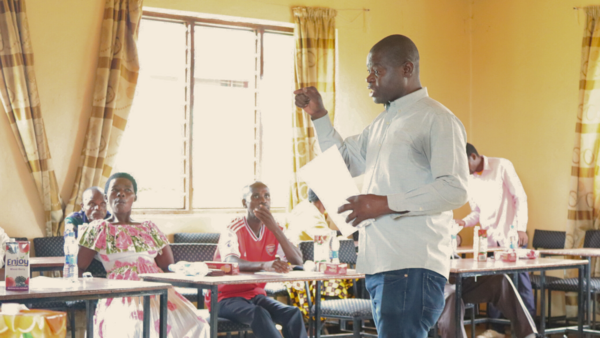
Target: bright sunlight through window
(212, 113)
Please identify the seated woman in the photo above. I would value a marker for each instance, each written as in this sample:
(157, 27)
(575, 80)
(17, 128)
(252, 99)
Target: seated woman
(127, 248)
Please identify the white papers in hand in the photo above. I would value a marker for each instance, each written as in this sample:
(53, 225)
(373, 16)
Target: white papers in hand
(328, 176)
(455, 228)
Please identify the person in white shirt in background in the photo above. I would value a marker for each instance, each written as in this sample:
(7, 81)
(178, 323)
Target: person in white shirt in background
(497, 201)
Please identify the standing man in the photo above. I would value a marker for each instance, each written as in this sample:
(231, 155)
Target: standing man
(497, 201)
(93, 207)
(412, 156)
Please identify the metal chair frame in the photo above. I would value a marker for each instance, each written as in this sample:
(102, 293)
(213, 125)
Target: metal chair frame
(200, 252)
(591, 240)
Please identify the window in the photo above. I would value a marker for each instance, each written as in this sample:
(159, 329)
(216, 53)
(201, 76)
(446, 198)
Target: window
(212, 113)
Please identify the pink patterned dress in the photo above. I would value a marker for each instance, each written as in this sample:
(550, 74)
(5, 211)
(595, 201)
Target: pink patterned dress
(126, 251)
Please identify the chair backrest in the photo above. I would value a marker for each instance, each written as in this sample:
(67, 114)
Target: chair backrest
(308, 250)
(187, 237)
(49, 246)
(193, 252)
(592, 239)
(547, 239)
(347, 251)
(96, 268)
(55, 246)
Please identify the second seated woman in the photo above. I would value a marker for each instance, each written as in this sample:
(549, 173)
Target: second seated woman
(128, 248)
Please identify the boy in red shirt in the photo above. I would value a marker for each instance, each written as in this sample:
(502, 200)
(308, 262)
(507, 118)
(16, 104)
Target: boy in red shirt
(253, 241)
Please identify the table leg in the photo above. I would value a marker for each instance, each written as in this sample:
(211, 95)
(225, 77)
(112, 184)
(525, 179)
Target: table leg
(164, 299)
(89, 311)
(543, 302)
(146, 323)
(457, 309)
(214, 310)
(580, 302)
(199, 299)
(588, 290)
(318, 309)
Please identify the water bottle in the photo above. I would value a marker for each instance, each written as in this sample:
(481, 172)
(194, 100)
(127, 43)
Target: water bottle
(70, 270)
(513, 238)
(334, 249)
(454, 245)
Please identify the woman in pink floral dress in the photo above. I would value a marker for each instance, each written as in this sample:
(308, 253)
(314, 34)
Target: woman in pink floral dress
(126, 249)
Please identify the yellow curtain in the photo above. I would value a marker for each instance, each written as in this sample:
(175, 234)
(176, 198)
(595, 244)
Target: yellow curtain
(116, 80)
(584, 196)
(314, 32)
(19, 94)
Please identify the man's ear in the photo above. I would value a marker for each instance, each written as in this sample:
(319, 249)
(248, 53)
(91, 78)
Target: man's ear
(408, 69)
(135, 199)
(244, 203)
(81, 205)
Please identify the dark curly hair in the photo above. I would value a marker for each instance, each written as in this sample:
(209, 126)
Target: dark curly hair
(312, 197)
(471, 150)
(120, 175)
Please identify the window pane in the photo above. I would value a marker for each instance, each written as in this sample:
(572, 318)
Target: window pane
(152, 145)
(276, 104)
(224, 114)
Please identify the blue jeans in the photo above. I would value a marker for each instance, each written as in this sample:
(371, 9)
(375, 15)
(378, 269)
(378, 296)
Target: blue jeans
(261, 314)
(406, 303)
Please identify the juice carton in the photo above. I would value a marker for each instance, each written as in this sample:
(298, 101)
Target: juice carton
(321, 248)
(483, 246)
(228, 268)
(333, 268)
(17, 266)
(509, 256)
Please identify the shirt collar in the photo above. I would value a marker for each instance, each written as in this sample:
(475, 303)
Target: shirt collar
(486, 166)
(405, 101)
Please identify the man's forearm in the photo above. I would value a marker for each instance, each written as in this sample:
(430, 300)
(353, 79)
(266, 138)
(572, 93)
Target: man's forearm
(292, 253)
(245, 265)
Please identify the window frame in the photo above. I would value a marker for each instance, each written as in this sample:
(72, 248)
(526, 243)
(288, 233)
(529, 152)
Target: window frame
(190, 22)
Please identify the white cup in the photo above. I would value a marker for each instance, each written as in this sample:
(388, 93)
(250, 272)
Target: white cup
(11, 308)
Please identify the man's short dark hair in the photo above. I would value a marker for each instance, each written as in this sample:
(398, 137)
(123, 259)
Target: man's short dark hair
(91, 189)
(121, 175)
(471, 150)
(312, 197)
(247, 190)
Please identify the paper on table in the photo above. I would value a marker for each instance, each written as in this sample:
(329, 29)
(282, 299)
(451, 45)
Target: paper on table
(43, 282)
(328, 176)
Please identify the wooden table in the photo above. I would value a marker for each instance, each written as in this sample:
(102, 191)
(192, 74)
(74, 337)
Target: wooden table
(91, 290)
(46, 263)
(42, 264)
(461, 268)
(212, 284)
(588, 253)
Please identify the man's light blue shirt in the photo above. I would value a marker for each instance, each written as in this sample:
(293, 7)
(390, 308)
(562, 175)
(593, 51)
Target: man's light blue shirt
(415, 154)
